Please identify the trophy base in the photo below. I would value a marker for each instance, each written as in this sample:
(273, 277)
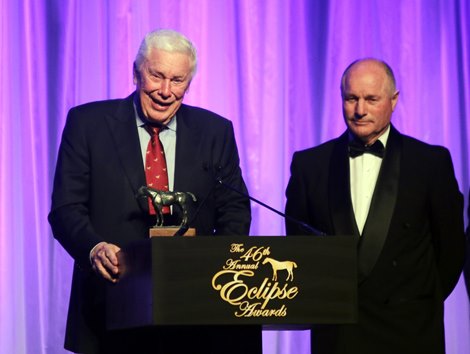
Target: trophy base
(169, 231)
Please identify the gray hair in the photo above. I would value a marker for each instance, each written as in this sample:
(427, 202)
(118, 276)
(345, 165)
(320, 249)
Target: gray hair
(167, 40)
(388, 71)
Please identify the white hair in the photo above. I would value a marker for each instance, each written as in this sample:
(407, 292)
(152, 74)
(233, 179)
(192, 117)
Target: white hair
(167, 40)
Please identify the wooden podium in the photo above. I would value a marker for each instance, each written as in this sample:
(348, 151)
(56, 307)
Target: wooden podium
(278, 282)
(170, 231)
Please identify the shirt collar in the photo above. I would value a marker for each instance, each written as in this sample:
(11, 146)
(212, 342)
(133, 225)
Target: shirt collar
(141, 121)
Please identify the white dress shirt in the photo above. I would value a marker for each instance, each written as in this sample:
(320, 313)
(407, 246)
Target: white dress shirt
(364, 170)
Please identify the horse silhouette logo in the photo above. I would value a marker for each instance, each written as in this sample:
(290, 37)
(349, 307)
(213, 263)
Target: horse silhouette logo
(278, 265)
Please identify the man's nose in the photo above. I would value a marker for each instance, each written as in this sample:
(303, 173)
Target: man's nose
(165, 88)
(360, 110)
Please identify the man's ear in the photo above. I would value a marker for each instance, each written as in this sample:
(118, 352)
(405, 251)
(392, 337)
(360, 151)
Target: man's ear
(395, 99)
(187, 88)
(135, 74)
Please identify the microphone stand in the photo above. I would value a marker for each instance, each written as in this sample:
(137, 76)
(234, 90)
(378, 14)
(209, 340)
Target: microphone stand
(303, 225)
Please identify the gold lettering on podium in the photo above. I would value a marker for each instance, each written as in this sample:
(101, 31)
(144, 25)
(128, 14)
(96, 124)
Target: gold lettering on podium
(236, 282)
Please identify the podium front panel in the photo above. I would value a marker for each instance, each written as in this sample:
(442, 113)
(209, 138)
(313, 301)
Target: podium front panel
(279, 282)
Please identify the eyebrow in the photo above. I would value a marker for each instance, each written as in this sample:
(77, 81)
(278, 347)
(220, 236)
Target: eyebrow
(157, 72)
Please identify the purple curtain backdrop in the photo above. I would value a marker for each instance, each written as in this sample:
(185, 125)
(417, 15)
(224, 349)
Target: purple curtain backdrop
(272, 67)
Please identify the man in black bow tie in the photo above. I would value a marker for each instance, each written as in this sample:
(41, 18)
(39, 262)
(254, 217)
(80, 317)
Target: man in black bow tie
(400, 199)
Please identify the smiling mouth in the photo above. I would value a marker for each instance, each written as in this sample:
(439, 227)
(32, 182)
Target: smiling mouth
(160, 105)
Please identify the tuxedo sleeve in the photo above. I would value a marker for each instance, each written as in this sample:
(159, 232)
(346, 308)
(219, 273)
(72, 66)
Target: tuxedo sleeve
(69, 215)
(467, 259)
(296, 194)
(447, 222)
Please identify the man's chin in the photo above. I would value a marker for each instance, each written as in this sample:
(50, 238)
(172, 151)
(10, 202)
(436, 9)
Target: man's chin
(361, 134)
(360, 131)
(161, 117)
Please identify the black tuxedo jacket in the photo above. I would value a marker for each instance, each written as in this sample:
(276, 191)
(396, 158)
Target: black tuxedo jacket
(99, 171)
(466, 270)
(410, 254)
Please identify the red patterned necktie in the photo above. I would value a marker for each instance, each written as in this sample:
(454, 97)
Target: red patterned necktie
(155, 166)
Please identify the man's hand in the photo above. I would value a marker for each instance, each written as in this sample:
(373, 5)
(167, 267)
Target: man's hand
(104, 261)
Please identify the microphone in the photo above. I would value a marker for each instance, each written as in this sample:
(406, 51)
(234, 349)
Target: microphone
(310, 229)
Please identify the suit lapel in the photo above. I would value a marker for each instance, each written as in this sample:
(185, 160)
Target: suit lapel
(123, 129)
(382, 206)
(339, 192)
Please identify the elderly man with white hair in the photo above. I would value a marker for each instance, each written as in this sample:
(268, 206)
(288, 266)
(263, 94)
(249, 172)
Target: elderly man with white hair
(111, 148)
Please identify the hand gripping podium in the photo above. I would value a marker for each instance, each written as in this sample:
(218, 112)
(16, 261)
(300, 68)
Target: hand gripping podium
(278, 282)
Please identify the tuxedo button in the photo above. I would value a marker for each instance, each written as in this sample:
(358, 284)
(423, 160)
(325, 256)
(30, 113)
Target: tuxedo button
(406, 225)
(394, 263)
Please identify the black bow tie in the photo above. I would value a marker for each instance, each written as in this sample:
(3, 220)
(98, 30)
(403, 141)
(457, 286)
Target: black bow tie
(356, 148)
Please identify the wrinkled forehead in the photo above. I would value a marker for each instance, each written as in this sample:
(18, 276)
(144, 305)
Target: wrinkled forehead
(172, 62)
